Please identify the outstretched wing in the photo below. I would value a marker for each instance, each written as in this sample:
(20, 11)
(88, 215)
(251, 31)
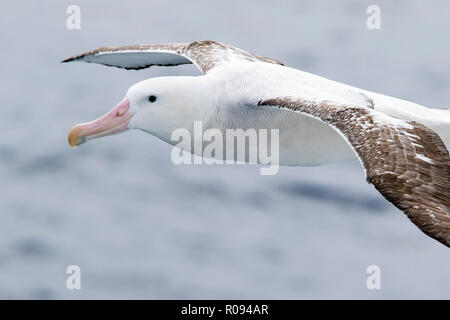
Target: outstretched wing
(405, 161)
(204, 54)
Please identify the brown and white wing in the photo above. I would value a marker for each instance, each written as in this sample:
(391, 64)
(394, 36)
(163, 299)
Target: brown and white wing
(406, 162)
(204, 54)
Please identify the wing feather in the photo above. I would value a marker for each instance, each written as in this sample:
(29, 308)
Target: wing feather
(406, 162)
(205, 54)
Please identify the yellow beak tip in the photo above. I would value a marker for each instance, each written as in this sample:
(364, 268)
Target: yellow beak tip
(72, 142)
(73, 136)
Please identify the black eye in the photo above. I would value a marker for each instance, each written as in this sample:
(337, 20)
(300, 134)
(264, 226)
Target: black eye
(152, 98)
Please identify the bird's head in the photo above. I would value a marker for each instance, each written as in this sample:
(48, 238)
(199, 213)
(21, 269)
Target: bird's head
(157, 106)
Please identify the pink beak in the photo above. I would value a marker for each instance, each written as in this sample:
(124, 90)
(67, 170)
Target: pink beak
(113, 122)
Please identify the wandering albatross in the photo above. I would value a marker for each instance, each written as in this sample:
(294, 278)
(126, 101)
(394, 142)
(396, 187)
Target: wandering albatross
(401, 145)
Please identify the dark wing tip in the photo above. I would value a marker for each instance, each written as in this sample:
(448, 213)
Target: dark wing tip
(72, 58)
(82, 55)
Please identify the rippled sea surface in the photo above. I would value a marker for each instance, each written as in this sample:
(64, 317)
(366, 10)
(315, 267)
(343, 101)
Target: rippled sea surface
(139, 226)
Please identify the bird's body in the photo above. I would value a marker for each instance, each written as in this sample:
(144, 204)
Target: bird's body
(399, 143)
(303, 141)
(226, 99)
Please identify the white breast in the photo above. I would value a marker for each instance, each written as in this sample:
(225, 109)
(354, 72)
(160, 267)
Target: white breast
(303, 140)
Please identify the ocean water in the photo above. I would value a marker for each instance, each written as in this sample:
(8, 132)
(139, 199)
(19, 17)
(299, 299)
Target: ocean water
(139, 226)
